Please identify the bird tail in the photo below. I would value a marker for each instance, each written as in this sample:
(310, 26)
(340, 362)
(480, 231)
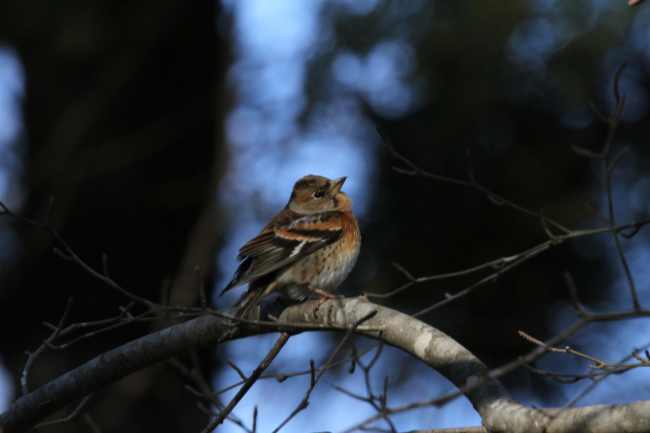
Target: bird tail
(252, 299)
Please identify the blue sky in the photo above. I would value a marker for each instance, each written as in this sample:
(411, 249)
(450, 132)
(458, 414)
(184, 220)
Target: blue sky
(11, 93)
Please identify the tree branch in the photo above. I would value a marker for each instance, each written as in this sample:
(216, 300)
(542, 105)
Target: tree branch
(457, 364)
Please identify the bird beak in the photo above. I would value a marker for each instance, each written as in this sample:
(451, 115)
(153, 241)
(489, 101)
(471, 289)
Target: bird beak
(336, 184)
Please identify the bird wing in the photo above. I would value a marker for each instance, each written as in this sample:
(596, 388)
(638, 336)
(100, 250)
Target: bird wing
(277, 248)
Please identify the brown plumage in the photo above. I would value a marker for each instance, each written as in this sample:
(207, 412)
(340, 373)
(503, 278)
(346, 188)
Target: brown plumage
(307, 248)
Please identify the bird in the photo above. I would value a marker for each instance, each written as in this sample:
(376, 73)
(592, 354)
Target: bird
(307, 249)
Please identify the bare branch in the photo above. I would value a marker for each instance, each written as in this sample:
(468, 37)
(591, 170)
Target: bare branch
(69, 417)
(618, 158)
(68, 254)
(573, 291)
(498, 263)
(205, 390)
(600, 365)
(284, 376)
(33, 356)
(587, 153)
(550, 235)
(473, 185)
(109, 325)
(237, 369)
(601, 376)
(617, 78)
(563, 377)
(305, 400)
(640, 358)
(505, 264)
(415, 168)
(284, 337)
(351, 394)
(521, 258)
(406, 273)
(608, 168)
(431, 346)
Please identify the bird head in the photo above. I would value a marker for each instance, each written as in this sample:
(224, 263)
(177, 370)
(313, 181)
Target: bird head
(316, 194)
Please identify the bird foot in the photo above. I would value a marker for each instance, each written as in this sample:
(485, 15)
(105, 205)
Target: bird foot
(324, 297)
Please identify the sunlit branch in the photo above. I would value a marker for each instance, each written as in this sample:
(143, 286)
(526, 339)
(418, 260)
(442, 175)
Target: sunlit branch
(487, 377)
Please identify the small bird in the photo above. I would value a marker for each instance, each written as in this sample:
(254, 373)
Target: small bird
(306, 249)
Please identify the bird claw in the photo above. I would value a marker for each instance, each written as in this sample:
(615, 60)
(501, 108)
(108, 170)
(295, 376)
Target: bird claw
(324, 297)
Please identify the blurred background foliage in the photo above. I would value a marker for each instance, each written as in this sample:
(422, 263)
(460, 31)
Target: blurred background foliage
(169, 132)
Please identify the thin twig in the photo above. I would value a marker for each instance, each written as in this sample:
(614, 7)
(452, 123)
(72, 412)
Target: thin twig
(573, 292)
(284, 337)
(205, 389)
(69, 417)
(493, 264)
(597, 381)
(414, 167)
(587, 153)
(490, 278)
(617, 78)
(550, 235)
(565, 378)
(208, 392)
(600, 365)
(305, 400)
(609, 166)
(33, 356)
(417, 171)
(351, 394)
(382, 407)
(237, 369)
(109, 325)
(284, 376)
(68, 254)
(504, 264)
(511, 366)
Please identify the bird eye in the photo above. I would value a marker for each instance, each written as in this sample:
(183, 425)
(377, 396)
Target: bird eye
(319, 195)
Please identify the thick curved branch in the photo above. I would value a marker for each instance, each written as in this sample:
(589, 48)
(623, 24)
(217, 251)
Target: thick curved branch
(457, 364)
